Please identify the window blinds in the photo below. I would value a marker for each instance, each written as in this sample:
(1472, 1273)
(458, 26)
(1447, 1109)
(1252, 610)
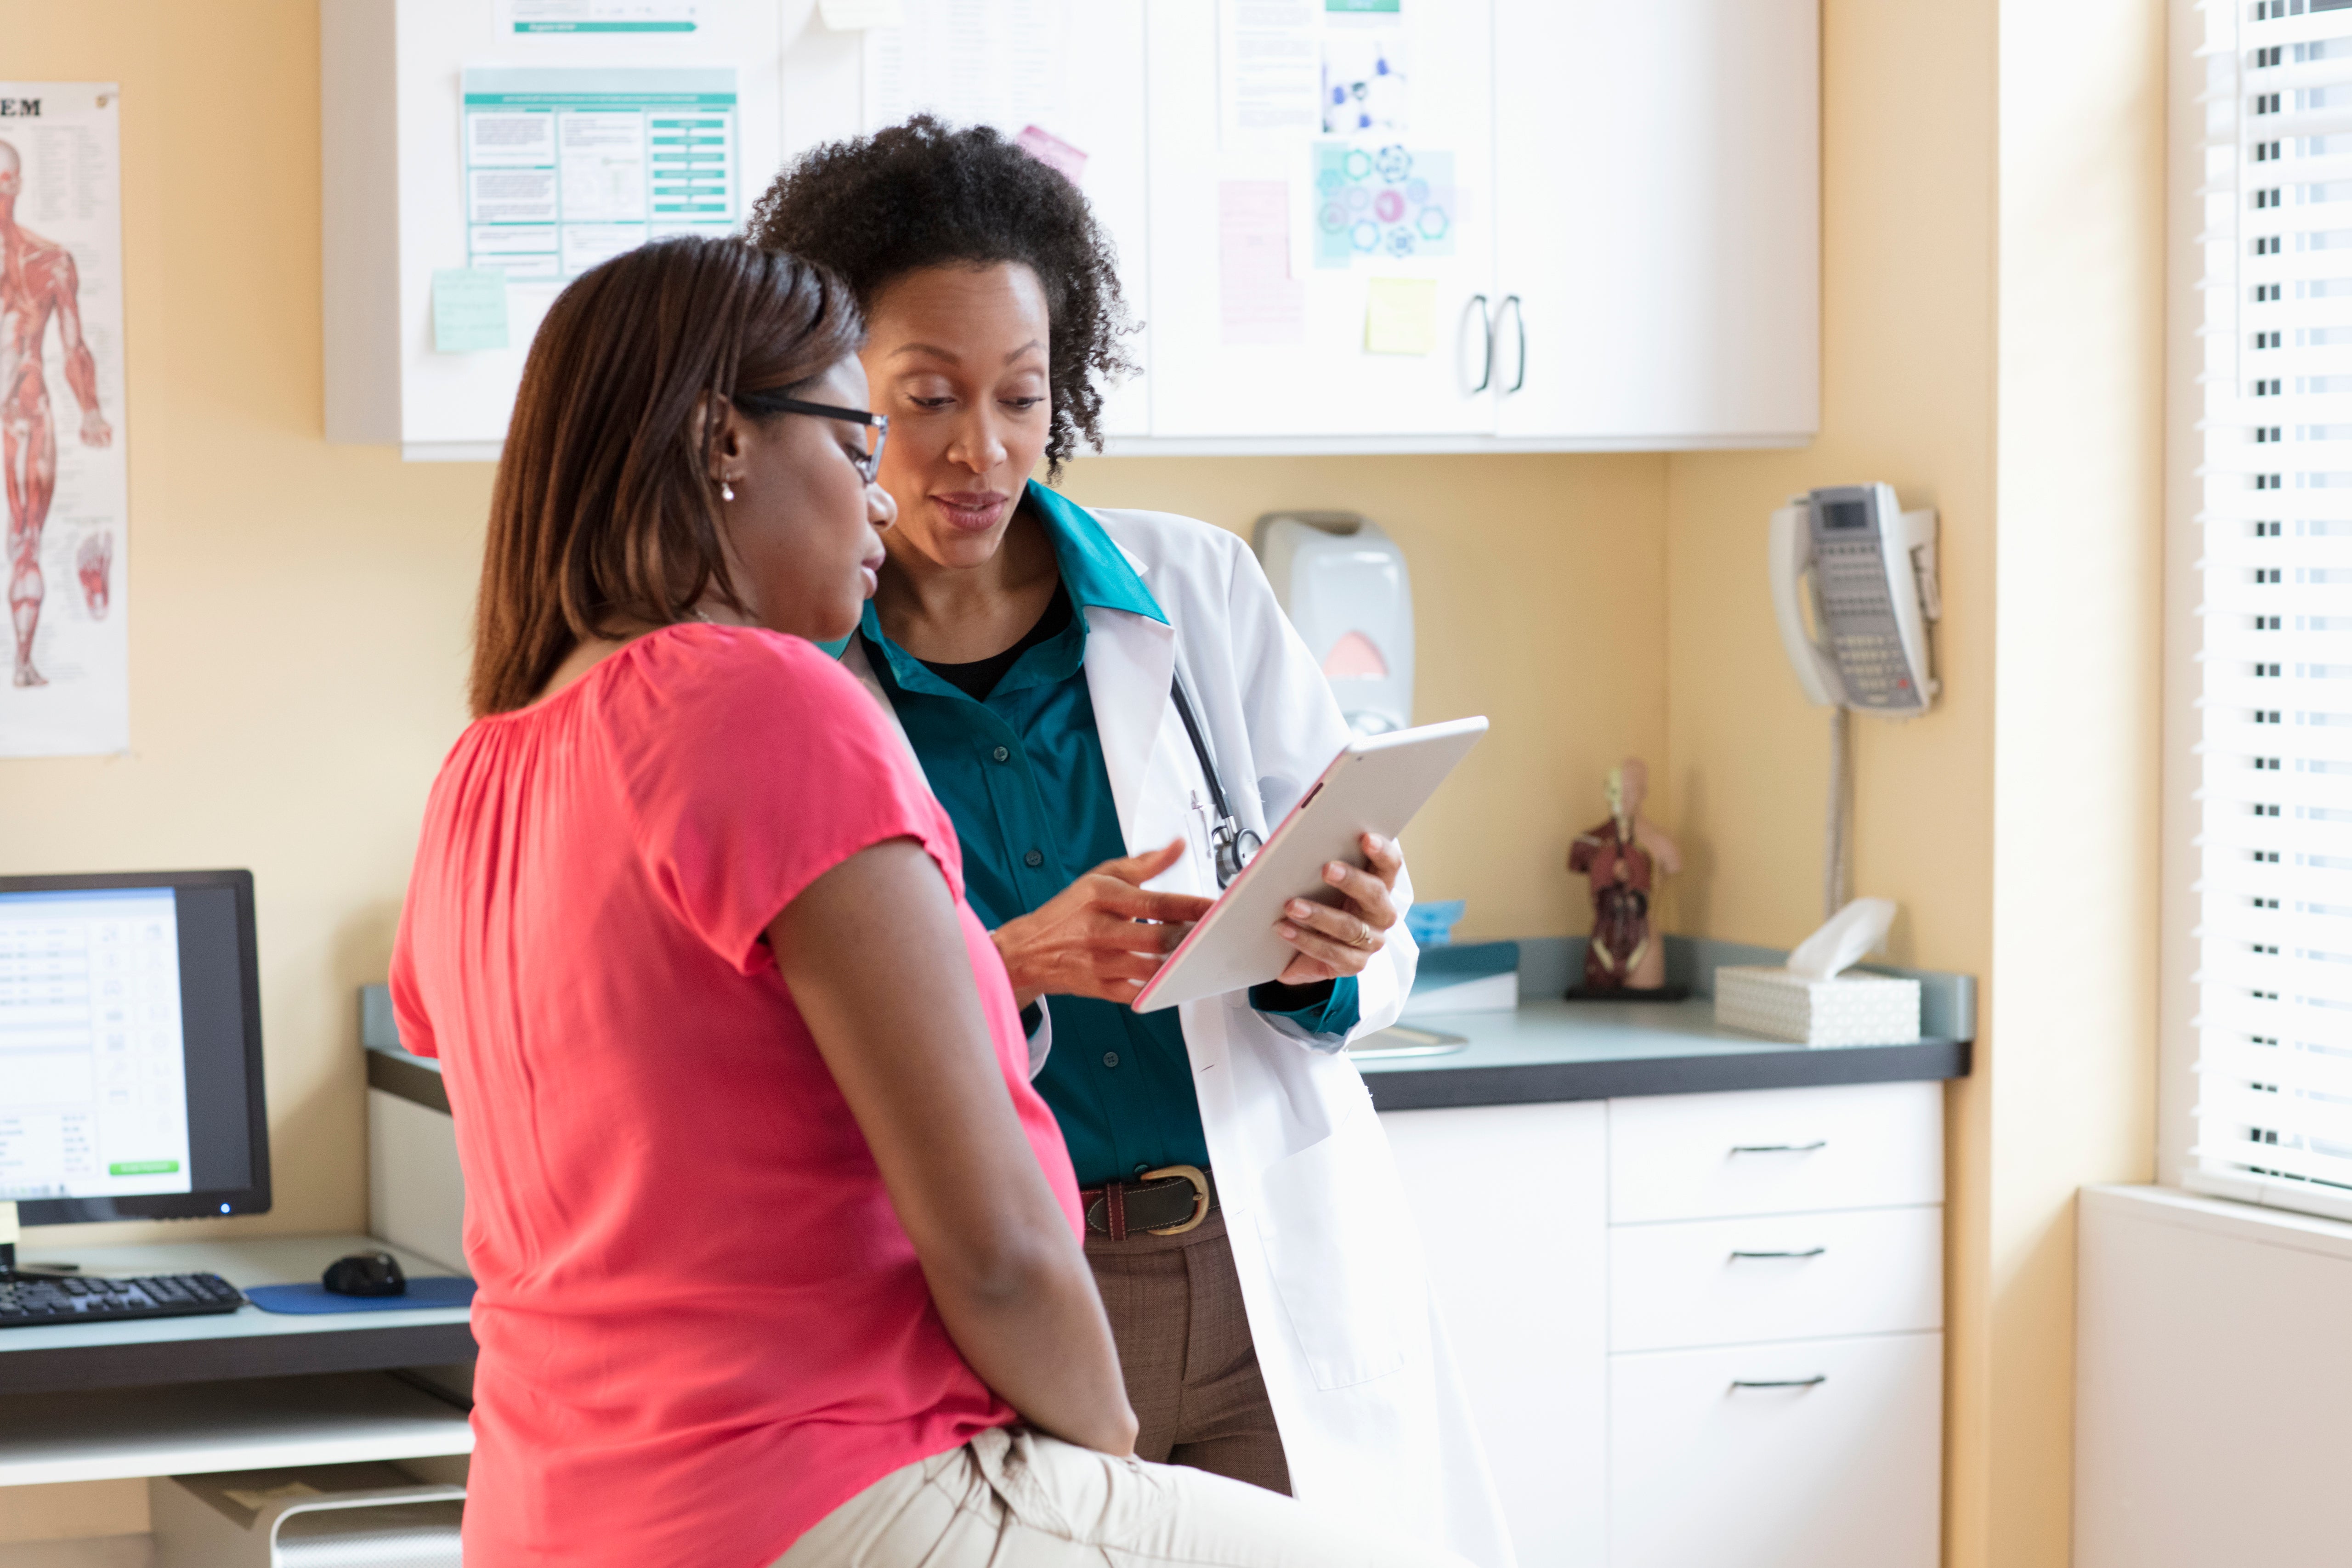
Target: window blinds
(2274, 983)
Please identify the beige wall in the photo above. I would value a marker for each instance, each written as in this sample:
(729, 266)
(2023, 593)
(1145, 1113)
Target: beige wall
(1538, 594)
(1909, 307)
(1992, 268)
(2078, 700)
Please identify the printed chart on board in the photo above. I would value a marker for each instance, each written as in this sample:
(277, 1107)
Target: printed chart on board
(69, 692)
(566, 168)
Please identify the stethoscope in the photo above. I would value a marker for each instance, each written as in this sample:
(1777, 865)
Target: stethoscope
(1231, 845)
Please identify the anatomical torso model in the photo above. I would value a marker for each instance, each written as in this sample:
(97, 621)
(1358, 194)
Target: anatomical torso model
(1625, 856)
(38, 282)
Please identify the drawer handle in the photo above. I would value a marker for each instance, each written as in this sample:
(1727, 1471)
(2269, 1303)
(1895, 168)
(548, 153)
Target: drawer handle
(1779, 1148)
(1808, 1253)
(1813, 1382)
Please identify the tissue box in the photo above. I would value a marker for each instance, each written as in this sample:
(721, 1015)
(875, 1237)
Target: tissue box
(1851, 1010)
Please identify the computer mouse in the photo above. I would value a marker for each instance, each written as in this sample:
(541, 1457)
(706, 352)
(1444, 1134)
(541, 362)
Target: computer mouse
(365, 1274)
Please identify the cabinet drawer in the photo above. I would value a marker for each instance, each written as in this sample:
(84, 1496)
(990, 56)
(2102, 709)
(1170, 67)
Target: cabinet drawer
(1840, 1473)
(1775, 1151)
(1808, 1276)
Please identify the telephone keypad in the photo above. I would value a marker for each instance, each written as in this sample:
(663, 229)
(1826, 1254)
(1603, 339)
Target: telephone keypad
(1868, 645)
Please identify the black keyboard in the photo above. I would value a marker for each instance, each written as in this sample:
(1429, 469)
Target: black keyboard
(27, 1300)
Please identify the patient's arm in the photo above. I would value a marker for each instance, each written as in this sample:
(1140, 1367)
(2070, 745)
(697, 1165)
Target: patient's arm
(874, 957)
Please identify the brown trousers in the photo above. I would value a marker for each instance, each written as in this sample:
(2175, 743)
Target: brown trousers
(1175, 1309)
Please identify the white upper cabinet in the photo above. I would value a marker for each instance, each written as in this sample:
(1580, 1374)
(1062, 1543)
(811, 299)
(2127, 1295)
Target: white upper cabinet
(1284, 261)
(1658, 236)
(1527, 225)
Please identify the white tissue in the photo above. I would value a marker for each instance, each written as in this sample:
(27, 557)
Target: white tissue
(1842, 941)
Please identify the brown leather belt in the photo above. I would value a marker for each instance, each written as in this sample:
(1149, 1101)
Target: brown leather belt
(1166, 1202)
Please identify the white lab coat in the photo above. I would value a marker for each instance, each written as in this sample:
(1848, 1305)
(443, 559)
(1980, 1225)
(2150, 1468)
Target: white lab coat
(1373, 1420)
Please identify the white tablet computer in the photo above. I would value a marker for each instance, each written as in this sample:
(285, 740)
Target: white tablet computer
(1374, 785)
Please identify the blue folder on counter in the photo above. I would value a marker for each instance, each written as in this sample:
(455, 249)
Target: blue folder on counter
(432, 1290)
(1475, 977)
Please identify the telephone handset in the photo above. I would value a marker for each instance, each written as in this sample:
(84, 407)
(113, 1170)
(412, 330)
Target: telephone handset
(1868, 567)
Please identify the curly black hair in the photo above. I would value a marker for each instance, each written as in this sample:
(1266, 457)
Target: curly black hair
(876, 208)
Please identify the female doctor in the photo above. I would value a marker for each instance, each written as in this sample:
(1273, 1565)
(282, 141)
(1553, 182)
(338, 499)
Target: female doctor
(1118, 690)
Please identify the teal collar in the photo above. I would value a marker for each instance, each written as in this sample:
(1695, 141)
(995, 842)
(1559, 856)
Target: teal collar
(1093, 567)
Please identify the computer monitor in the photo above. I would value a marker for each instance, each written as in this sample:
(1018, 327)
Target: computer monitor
(130, 1047)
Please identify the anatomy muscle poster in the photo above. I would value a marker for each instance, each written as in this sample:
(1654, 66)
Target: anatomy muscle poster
(61, 419)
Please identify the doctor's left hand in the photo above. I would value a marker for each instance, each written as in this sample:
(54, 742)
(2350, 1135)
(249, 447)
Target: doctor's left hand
(1333, 942)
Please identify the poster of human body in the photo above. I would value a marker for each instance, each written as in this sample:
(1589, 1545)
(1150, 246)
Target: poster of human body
(61, 421)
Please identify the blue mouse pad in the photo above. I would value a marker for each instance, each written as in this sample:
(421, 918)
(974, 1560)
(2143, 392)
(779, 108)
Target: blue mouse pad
(437, 1291)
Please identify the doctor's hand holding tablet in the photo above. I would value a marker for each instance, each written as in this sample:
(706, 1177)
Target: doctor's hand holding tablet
(1274, 915)
(1106, 934)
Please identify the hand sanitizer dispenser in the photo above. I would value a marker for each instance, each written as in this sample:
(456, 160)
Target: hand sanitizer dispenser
(1343, 583)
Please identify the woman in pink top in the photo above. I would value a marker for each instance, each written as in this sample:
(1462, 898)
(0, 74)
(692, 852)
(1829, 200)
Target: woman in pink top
(777, 1251)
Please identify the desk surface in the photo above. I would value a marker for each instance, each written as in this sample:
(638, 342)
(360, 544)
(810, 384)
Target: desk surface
(1601, 1050)
(247, 1343)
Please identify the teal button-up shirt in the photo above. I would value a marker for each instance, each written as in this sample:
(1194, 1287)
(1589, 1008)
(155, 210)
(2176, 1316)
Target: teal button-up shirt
(1022, 775)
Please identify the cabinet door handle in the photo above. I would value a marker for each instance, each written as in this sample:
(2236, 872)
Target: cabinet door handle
(1813, 1382)
(1808, 1253)
(1520, 321)
(1487, 354)
(1779, 1148)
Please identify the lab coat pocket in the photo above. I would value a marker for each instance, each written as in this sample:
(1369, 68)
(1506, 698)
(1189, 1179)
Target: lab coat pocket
(1332, 1226)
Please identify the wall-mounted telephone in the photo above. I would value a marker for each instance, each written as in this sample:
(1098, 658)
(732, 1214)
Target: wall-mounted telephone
(1868, 569)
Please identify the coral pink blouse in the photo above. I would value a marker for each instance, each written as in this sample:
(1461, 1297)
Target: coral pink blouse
(702, 1326)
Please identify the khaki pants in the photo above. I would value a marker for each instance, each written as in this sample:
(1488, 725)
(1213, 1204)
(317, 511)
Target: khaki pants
(1016, 1499)
(1185, 1347)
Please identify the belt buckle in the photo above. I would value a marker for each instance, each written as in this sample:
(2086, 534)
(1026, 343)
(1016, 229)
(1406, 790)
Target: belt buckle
(1199, 1180)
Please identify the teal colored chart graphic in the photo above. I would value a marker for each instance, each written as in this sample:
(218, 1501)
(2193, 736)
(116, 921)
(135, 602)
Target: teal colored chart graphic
(1382, 203)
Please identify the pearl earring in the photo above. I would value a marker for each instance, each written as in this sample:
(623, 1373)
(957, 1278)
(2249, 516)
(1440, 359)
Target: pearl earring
(726, 491)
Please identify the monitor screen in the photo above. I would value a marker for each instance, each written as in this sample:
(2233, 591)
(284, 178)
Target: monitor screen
(130, 1047)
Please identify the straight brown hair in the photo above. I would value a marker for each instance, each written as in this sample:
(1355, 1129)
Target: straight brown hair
(605, 514)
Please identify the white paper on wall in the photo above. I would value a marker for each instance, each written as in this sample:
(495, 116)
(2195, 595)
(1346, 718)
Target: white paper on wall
(1003, 63)
(1269, 72)
(62, 428)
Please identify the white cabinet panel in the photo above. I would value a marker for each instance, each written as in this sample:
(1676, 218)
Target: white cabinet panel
(1659, 165)
(1109, 93)
(1508, 1200)
(1776, 1277)
(2210, 1372)
(1775, 1151)
(1839, 1473)
(1326, 384)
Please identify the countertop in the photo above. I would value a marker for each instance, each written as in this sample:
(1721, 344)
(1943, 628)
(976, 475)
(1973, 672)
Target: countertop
(1604, 1051)
(1546, 1050)
(1552, 1050)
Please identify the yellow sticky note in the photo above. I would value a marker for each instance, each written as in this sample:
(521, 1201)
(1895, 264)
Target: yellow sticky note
(1401, 317)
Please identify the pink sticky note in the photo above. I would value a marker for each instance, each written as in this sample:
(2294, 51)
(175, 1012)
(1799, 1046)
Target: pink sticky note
(1053, 153)
(1259, 302)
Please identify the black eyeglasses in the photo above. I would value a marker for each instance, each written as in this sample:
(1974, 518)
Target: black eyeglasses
(868, 465)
